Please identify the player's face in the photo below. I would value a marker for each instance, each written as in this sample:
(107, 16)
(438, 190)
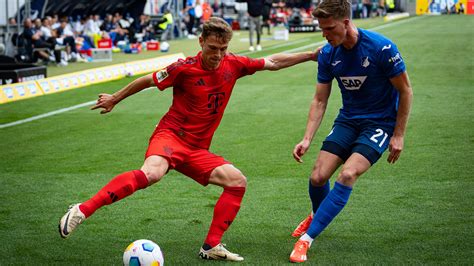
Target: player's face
(334, 30)
(213, 50)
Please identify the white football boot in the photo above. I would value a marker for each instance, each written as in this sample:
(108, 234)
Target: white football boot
(219, 252)
(71, 220)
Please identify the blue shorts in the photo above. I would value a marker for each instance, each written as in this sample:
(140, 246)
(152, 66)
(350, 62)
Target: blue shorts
(369, 137)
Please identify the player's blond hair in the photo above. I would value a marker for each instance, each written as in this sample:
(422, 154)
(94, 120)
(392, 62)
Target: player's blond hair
(217, 27)
(336, 9)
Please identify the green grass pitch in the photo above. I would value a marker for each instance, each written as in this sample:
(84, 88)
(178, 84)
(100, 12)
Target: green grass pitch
(418, 211)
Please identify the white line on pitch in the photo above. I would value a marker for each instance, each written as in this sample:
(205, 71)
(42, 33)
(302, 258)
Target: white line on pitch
(33, 118)
(278, 46)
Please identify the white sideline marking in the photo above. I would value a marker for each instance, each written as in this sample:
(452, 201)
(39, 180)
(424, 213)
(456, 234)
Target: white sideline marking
(277, 46)
(59, 111)
(67, 109)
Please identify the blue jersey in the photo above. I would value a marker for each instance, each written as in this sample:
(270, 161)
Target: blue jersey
(363, 74)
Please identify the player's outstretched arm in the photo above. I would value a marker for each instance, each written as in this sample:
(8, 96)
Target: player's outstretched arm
(402, 84)
(108, 101)
(315, 116)
(279, 61)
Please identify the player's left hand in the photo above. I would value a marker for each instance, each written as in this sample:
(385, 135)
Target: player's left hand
(300, 149)
(106, 102)
(395, 147)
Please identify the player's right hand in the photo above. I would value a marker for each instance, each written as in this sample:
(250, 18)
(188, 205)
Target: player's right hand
(300, 149)
(106, 102)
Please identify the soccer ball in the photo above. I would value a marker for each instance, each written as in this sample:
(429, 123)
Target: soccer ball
(164, 47)
(143, 252)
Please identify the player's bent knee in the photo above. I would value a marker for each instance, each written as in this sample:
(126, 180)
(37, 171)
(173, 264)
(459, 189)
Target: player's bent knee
(155, 167)
(236, 180)
(347, 176)
(153, 176)
(154, 170)
(317, 179)
(228, 176)
(240, 181)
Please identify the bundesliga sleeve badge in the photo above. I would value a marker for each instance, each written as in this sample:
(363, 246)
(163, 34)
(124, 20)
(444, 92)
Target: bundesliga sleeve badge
(162, 75)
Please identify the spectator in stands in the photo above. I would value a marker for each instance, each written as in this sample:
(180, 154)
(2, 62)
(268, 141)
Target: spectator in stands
(281, 15)
(33, 38)
(217, 9)
(254, 9)
(125, 27)
(79, 25)
(92, 28)
(65, 36)
(366, 8)
(190, 9)
(11, 21)
(108, 25)
(355, 9)
(165, 25)
(206, 11)
(45, 27)
(295, 18)
(82, 40)
(37, 23)
(113, 29)
(452, 9)
(381, 8)
(461, 9)
(55, 21)
(266, 11)
(198, 13)
(143, 30)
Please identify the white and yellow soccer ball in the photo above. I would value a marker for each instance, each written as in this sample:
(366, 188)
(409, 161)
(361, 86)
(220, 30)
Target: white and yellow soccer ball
(143, 252)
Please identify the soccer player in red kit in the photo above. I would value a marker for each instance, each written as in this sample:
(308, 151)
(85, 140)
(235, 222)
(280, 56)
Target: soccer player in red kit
(202, 85)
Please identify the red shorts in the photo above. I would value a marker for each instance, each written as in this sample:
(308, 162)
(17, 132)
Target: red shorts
(191, 161)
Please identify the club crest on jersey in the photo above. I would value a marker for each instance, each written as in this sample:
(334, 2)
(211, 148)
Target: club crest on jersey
(353, 83)
(365, 61)
(162, 75)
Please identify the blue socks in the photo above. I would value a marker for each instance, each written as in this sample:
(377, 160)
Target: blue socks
(329, 208)
(318, 194)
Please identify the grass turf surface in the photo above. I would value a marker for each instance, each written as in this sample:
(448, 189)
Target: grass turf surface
(418, 211)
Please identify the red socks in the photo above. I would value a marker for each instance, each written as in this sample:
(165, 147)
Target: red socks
(118, 188)
(225, 211)
(127, 183)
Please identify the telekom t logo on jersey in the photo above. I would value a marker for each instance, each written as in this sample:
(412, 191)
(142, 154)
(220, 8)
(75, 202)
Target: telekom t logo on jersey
(214, 101)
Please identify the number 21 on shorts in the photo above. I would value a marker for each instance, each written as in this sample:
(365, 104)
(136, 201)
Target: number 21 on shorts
(377, 136)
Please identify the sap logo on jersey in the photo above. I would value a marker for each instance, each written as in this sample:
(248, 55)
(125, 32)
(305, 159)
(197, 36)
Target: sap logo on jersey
(353, 83)
(397, 59)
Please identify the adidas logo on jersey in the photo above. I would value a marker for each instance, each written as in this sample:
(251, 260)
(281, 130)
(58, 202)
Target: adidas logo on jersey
(200, 82)
(353, 83)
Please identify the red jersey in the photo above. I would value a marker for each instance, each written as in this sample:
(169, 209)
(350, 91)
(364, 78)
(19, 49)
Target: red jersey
(200, 96)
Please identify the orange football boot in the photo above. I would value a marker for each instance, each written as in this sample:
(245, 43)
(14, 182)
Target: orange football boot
(299, 251)
(302, 227)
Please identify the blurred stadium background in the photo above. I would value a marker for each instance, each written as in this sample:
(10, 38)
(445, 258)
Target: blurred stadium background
(55, 151)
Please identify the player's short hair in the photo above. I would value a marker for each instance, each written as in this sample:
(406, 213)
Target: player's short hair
(336, 9)
(217, 27)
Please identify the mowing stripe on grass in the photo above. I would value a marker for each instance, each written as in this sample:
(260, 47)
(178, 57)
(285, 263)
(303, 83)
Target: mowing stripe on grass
(67, 109)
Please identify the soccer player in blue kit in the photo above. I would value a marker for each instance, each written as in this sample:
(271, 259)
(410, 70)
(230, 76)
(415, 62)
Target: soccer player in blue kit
(376, 97)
